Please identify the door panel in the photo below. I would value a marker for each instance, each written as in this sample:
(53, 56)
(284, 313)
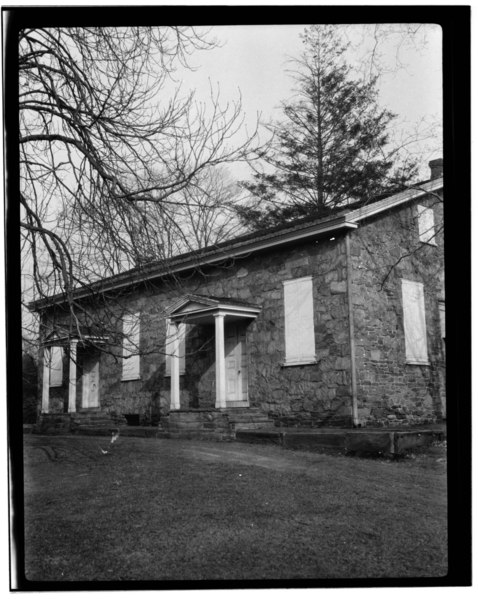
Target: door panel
(236, 364)
(90, 382)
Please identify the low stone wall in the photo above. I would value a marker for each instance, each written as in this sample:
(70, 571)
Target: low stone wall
(357, 442)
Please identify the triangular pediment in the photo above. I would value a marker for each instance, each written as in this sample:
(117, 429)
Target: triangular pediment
(191, 303)
(192, 306)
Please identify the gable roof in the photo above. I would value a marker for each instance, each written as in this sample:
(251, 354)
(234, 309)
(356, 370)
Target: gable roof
(303, 229)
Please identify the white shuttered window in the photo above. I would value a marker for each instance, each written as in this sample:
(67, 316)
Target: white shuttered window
(441, 307)
(414, 322)
(299, 321)
(170, 344)
(56, 366)
(131, 362)
(426, 225)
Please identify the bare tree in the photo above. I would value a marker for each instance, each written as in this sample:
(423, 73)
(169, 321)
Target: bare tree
(204, 214)
(105, 133)
(94, 145)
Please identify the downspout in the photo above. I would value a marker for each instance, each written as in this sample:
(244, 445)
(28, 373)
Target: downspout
(355, 418)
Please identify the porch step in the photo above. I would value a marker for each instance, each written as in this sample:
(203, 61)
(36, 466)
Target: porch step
(248, 419)
(224, 423)
(52, 424)
(88, 422)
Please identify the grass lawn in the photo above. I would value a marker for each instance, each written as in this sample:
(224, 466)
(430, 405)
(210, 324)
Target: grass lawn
(192, 510)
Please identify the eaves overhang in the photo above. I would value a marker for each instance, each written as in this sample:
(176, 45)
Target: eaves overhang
(359, 214)
(239, 247)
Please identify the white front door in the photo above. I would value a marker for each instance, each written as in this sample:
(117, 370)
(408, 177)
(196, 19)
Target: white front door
(90, 381)
(236, 365)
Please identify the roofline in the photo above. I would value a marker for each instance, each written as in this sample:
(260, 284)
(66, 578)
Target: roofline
(392, 201)
(243, 245)
(232, 249)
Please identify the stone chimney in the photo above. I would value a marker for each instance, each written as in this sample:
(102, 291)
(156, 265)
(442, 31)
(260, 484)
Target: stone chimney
(436, 168)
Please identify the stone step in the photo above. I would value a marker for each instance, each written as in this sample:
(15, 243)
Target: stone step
(249, 418)
(247, 426)
(196, 425)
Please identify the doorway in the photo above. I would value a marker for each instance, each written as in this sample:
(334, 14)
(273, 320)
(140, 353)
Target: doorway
(236, 365)
(90, 381)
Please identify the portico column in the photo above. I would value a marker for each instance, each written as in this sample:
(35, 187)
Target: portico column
(45, 396)
(72, 377)
(220, 361)
(175, 401)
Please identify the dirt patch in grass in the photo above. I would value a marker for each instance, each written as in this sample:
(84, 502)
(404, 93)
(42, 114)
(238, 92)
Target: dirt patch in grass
(184, 510)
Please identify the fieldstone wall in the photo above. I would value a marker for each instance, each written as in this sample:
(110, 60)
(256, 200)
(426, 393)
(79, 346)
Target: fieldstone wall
(384, 251)
(315, 394)
(390, 392)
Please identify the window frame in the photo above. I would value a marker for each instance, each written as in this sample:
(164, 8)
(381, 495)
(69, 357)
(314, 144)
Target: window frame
(57, 380)
(131, 362)
(414, 314)
(292, 358)
(426, 224)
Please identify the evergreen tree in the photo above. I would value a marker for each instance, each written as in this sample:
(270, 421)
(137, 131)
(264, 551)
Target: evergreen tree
(329, 150)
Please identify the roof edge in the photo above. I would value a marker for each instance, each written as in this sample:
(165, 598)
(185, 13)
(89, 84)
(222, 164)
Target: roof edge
(241, 246)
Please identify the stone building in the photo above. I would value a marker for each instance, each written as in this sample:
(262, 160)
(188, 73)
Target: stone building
(337, 321)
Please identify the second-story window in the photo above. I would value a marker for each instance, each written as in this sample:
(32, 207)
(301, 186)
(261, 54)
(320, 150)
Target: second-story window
(426, 225)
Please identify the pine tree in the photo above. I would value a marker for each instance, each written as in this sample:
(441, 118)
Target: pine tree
(330, 148)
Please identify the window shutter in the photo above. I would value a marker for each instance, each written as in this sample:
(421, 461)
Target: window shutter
(414, 322)
(131, 361)
(56, 366)
(441, 307)
(169, 347)
(299, 321)
(426, 225)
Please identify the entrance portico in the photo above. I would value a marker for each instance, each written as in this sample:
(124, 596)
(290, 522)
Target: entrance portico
(53, 348)
(230, 318)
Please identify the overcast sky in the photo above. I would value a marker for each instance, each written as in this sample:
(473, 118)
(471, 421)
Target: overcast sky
(254, 60)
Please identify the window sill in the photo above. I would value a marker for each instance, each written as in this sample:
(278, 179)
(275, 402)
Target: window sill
(416, 363)
(136, 378)
(304, 362)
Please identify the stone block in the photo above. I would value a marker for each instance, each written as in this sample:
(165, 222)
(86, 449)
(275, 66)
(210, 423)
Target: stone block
(302, 261)
(342, 364)
(338, 287)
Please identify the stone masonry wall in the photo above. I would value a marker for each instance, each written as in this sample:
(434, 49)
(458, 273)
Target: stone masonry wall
(384, 251)
(389, 390)
(315, 394)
